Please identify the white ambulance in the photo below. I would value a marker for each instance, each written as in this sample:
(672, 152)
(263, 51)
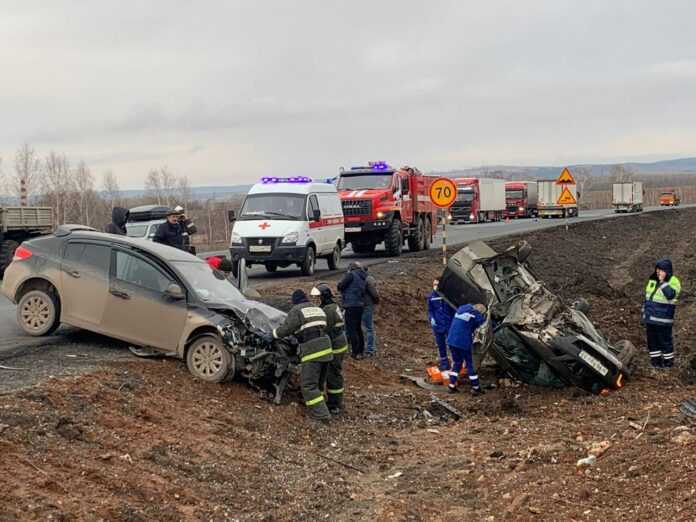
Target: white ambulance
(288, 221)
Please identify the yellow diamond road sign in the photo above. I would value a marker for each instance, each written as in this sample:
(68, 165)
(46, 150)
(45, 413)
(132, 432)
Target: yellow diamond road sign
(566, 178)
(566, 198)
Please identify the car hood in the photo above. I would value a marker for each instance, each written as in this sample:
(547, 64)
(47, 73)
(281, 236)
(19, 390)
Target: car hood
(262, 318)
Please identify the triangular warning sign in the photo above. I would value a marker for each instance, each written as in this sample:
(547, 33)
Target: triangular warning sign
(566, 198)
(565, 178)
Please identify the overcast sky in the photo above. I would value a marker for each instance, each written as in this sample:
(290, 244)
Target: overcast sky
(227, 91)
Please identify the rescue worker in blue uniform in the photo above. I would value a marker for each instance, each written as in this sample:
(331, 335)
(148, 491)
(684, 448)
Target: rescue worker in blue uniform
(440, 315)
(659, 305)
(460, 340)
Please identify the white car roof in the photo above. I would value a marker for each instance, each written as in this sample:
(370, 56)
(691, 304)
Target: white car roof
(292, 188)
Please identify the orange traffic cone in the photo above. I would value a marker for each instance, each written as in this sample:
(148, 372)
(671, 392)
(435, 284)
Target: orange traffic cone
(507, 219)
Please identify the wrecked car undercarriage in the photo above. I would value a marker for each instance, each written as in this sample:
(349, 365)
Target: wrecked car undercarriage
(530, 332)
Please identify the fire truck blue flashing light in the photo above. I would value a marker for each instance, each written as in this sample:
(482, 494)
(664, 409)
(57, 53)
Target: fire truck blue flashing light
(293, 179)
(379, 165)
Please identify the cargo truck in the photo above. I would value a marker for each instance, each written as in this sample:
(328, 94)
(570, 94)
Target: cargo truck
(627, 197)
(384, 204)
(549, 192)
(478, 200)
(521, 199)
(18, 224)
(669, 198)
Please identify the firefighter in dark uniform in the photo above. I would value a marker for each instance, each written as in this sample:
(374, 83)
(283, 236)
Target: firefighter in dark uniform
(339, 345)
(187, 229)
(308, 323)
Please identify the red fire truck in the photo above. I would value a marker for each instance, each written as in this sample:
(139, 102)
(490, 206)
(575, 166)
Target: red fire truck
(383, 204)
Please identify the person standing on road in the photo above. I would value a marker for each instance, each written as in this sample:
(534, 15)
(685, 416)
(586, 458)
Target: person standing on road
(440, 315)
(370, 302)
(352, 288)
(659, 306)
(308, 323)
(460, 340)
(187, 229)
(119, 217)
(339, 346)
(169, 233)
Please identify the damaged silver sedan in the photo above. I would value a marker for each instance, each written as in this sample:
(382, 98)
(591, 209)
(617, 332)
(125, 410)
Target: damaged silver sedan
(531, 333)
(152, 296)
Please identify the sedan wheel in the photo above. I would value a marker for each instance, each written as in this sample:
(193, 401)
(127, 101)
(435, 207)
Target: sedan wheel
(38, 313)
(208, 360)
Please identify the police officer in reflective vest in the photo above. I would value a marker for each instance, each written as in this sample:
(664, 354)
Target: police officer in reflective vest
(659, 305)
(308, 323)
(339, 345)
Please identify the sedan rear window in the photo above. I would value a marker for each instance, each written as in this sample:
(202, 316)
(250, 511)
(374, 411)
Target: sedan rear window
(89, 253)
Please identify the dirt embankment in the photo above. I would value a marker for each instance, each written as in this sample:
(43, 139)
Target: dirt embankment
(141, 440)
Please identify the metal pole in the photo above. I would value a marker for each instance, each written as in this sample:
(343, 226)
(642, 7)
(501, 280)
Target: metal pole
(444, 238)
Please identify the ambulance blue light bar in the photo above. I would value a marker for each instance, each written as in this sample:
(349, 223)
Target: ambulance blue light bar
(295, 179)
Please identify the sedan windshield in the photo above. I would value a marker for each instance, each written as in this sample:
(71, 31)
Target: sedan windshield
(209, 284)
(273, 206)
(364, 181)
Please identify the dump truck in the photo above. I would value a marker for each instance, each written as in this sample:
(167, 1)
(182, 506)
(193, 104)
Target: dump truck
(669, 198)
(384, 204)
(549, 193)
(18, 224)
(627, 197)
(478, 200)
(521, 199)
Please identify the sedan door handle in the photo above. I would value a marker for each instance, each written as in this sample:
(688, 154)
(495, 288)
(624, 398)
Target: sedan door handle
(118, 293)
(75, 273)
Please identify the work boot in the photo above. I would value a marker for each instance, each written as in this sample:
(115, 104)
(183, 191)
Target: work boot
(334, 409)
(452, 388)
(317, 421)
(476, 391)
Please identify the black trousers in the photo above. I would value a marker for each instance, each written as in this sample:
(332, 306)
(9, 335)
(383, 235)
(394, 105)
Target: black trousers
(353, 318)
(660, 345)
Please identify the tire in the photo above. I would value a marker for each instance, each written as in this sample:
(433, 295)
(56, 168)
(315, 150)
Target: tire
(307, 266)
(428, 235)
(208, 359)
(393, 242)
(7, 252)
(415, 242)
(38, 313)
(271, 267)
(334, 259)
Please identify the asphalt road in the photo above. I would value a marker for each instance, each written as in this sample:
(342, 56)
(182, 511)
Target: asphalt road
(11, 337)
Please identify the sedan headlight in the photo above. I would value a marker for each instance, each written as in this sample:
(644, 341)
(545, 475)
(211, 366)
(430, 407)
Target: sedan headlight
(236, 239)
(292, 237)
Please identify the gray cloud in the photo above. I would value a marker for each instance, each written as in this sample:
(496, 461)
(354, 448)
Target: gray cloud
(287, 86)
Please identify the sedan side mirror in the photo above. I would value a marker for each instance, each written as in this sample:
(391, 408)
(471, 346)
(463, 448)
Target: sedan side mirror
(174, 291)
(316, 215)
(230, 216)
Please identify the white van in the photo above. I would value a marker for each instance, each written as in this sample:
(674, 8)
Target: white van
(286, 221)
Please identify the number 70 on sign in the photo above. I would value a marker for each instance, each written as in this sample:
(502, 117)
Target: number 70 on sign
(443, 192)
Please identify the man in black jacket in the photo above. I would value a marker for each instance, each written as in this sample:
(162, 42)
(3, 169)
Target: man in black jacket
(371, 301)
(119, 216)
(352, 288)
(169, 233)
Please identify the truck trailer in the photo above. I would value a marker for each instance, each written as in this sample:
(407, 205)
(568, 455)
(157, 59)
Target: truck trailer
(521, 199)
(478, 200)
(627, 197)
(384, 204)
(549, 192)
(18, 224)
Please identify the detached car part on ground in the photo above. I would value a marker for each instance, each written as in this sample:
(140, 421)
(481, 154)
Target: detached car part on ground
(152, 296)
(530, 332)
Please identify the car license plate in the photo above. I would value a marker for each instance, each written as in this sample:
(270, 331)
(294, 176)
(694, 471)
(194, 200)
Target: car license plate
(353, 229)
(603, 370)
(260, 248)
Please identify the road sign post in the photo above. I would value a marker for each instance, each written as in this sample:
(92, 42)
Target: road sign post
(566, 197)
(443, 192)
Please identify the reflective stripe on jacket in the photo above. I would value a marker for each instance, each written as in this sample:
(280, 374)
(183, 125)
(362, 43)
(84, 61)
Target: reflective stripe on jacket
(660, 301)
(334, 328)
(308, 322)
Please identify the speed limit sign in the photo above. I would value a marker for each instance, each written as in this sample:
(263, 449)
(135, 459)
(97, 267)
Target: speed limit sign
(443, 192)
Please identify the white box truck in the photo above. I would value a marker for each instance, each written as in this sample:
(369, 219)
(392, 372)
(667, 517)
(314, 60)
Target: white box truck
(627, 197)
(549, 192)
(478, 200)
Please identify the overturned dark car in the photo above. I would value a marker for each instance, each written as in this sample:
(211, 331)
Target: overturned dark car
(531, 333)
(161, 299)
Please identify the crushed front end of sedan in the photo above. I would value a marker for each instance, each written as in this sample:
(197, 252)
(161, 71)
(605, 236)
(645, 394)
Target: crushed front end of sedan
(530, 332)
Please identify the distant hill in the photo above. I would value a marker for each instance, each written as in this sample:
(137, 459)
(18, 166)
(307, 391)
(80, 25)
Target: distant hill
(675, 166)
(199, 193)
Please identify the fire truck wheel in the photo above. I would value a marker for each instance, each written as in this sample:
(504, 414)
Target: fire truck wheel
(393, 242)
(415, 241)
